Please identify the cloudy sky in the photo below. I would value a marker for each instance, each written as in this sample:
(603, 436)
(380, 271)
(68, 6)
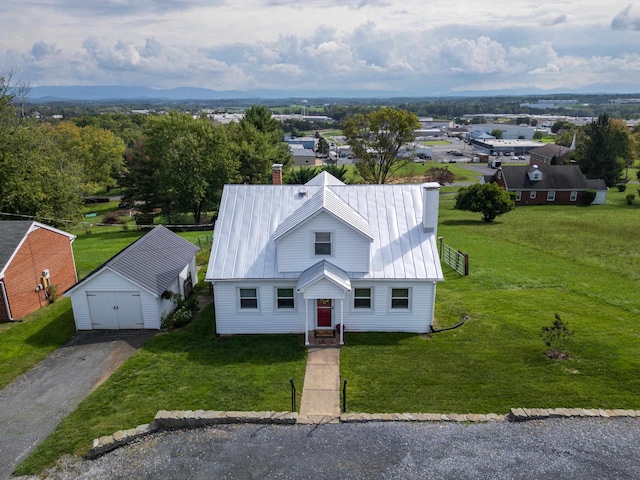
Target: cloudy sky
(415, 47)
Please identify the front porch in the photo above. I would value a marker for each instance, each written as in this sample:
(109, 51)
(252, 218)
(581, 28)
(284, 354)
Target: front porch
(323, 338)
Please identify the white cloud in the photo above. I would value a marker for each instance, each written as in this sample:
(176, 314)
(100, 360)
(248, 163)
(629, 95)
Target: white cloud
(625, 21)
(324, 44)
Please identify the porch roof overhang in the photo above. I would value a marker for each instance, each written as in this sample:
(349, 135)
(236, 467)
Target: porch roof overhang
(324, 270)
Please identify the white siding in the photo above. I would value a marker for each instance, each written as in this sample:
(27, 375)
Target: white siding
(230, 319)
(108, 281)
(323, 288)
(350, 249)
(266, 319)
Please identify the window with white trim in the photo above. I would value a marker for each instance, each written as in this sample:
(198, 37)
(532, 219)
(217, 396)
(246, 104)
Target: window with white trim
(551, 196)
(532, 194)
(518, 195)
(399, 298)
(248, 298)
(285, 298)
(322, 243)
(362, 298)
(573, 197)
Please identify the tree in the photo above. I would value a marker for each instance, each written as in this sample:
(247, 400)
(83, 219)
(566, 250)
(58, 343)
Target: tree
(301, 175)
(496, 132)
(100, 152)
(37, 177)
(257, 144)
(323, 146)
(441, 175)
(607, 149)
(376, 140)
(537, 135)
(338, 171)
(487, 198)
(193, 160)
(556, 337)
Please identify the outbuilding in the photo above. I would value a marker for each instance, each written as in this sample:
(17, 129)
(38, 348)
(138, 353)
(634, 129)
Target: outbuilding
(137, 287)
(36, 265)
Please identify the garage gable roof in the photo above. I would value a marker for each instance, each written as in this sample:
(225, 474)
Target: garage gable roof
(153, 261)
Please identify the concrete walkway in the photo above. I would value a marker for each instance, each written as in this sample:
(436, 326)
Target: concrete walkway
(321, 391)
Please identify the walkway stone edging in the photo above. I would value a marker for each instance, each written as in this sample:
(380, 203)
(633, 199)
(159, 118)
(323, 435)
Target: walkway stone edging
(177, 419)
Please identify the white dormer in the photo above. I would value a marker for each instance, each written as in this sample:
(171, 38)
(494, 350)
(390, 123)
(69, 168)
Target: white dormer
(534, 173)
(324, 227)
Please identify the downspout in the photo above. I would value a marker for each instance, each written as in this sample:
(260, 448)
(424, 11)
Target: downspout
(6, 300)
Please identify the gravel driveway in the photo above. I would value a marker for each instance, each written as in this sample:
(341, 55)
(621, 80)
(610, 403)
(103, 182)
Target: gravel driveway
(32, 406)
(549, 449)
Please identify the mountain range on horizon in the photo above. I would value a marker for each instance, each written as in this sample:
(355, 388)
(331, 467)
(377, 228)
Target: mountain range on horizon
(46, 93)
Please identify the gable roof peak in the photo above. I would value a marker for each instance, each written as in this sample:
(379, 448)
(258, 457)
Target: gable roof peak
(324, 178)
(325, 200)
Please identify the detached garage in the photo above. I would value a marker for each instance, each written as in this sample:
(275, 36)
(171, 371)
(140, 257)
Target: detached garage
(134, 289)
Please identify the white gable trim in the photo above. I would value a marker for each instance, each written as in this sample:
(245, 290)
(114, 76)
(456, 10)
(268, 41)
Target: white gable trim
(323, 271)
(324, 201)
(97, 273)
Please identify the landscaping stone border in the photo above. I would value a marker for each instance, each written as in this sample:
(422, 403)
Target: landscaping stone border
(177, 419)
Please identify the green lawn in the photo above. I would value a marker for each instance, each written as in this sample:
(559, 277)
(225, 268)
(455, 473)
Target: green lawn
(185, 369)
(580, 262)
(92, 250)
(24, 344)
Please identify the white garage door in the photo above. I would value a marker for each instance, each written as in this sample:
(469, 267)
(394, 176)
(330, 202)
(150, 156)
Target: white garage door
(115, 310)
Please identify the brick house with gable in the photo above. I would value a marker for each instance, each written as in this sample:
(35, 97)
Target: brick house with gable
(33, 258)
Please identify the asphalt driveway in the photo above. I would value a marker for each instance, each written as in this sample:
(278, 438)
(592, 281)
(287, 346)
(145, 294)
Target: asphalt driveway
(577, 448)
(32, 406)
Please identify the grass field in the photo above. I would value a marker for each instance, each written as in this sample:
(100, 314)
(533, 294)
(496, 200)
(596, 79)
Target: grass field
(185, 369)
(580, 262)
(24, 344)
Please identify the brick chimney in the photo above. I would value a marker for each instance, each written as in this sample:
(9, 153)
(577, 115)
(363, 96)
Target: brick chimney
(276, 173)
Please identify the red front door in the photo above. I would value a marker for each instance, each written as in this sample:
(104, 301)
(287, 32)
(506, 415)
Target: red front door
(324, 312)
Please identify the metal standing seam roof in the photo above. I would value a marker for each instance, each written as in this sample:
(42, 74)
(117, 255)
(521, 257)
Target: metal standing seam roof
(327, 201)
(153, 261)
(244, 246)
(13, 233)
(324, 269)
(324, 178)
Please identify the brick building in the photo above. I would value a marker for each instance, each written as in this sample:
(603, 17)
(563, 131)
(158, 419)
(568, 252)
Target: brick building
(36, 263)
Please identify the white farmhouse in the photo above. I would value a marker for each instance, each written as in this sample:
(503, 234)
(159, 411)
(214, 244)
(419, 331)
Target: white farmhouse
(315, 257)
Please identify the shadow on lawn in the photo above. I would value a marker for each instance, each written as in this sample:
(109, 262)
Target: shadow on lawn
(199, 341)
(57, 331)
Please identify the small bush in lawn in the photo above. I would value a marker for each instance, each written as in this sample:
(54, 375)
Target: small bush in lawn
(555, 337)
(180, 317)
(630, 197)
(112, 218)
(588, 197)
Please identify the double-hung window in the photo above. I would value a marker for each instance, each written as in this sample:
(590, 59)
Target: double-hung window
(248, 298)
(400, 298)
(532, 194)
(551, 196)
(322, 243)
(518, 195)
(285, 298)
(573, 197)
(362, 298)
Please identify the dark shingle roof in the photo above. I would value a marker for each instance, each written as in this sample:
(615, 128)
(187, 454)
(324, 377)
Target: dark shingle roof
(554, 177)
(596, 184)
(550, 150)
(11, 234)
(153, 261)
